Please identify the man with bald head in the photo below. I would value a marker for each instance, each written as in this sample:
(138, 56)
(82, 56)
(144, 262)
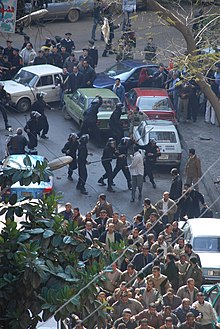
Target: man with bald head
(166, 208)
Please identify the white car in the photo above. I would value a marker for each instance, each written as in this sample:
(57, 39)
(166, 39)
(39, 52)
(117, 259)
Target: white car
(29, 81)
(166, 137)
(204, 235)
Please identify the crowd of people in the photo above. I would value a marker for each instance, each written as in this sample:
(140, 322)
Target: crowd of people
(156, 282)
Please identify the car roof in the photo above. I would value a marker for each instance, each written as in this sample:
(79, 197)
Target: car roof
(137, 63)
(42, 69)
(93, 92)
(205, 226)
(151, 92)
(159, 125)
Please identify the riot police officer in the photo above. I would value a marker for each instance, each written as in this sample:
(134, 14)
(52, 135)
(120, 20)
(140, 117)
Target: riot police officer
(31, 129)
(70, 148)
(121, 162)
(89, 125)
(135, 118)
(3, 101)
(40, 106)
(152, 152)
(109, 153)
(82, 162)
(115, 123)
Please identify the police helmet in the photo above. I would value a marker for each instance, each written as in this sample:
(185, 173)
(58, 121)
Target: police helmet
(110, 141)
(73, 136)
(84, 139)
(119, 105)
(153, 141)
(34, 115)
(126, 141)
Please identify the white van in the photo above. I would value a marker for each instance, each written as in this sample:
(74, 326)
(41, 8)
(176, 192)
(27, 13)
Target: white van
(167, 139)
(204, 236)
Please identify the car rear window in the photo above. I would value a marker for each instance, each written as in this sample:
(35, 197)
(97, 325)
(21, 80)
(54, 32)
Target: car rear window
(210, 244)
(163, 136)
(107, 105)
(159, 103)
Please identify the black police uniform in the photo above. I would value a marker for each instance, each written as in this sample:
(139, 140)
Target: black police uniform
(82, 162)
(121, 162)
(17, 144)
(151, 154)
(40, 105)
(89, 125)
(109, 153)
(31, 129)
(70, 148)
(115, 124)
(3, 101)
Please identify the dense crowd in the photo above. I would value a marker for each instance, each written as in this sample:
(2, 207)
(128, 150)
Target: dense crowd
(156, 283)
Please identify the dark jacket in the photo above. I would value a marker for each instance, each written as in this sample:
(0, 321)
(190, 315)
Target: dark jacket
(184, 325)
(93, 53)
(171, 271)
(89, 76)
(68, 44)
(176, 188)
(40, 60)
(91, 114)
(70, 148)
(16, 144)
(180, 312)
(114, 120)
(173, 303)
(140, 261)
(118, 237)
(75, 81)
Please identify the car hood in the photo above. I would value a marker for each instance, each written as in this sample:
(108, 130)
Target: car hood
(209, 260)
(13, 87)
(103, 80)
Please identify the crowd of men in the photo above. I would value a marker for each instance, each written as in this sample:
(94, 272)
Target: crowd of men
(156, 283)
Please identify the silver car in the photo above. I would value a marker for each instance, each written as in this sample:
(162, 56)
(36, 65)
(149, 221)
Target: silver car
(64, 9)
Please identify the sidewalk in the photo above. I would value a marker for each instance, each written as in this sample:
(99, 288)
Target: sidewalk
(205, 138)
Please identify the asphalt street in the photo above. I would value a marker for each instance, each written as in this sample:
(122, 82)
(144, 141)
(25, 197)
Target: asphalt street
(167, 39)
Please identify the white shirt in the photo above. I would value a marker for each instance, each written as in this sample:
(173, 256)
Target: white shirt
(137, 165)
(207, 311)
(165, 207)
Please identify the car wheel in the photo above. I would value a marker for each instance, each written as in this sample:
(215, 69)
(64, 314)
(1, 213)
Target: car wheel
(24, 105)
(65, 113)
(73, 15)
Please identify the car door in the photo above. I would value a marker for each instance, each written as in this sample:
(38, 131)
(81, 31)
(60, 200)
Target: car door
(73, 105)
(46, 84)
(132, 81)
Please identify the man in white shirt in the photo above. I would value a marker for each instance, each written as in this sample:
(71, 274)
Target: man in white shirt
(208, 313)
(137, 173)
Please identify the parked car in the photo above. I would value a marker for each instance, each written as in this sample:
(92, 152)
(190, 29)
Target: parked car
(155, 103)
(69, 10)
(128, 71)
(33, 190)
(76, 104)
(29, 81)
(167, 139)
(212, 295)
(204, 235)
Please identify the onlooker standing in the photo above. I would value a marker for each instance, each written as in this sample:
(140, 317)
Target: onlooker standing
(75, 80)
(93, 53)
(85, 57)
(40, 58)
(137, 173)
(67, 42)
(119, 90)
(70, 62)
(150, 50)
(193, 169)
(184, 91)
(166, 207)
(62, 80)
(208, 313)
(89, 74)
(28, 54)
(160, 77)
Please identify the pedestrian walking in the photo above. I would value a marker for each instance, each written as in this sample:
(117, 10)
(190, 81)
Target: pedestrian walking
(97, 17)
(128, 7)
(193, 169)
(82, 163)
(67, 42)
(137, 172)
(150, 50)
(70, 148)
(109, 153)
(119, 90)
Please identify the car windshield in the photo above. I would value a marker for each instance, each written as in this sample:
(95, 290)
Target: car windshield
(117, 69)
(159, 103)
(107, 105)
(16, 162)
(207, 243)
(163, 136)
(25, 78)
